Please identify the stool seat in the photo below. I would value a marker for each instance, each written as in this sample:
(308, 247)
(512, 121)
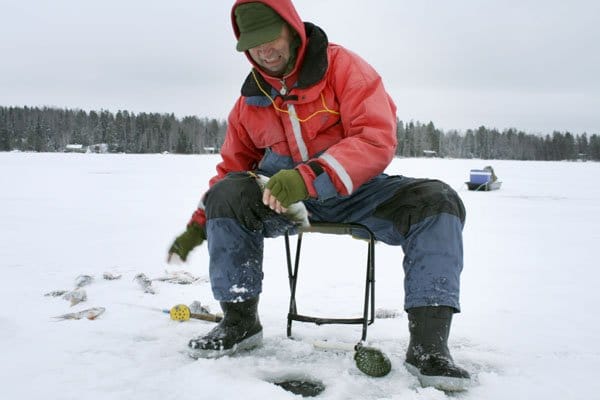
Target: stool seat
(351, 229)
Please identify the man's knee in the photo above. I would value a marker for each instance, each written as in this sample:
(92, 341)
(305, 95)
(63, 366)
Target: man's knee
(419, 200)
(239, 197)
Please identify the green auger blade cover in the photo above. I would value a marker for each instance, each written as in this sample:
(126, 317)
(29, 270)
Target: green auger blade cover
(372, 361)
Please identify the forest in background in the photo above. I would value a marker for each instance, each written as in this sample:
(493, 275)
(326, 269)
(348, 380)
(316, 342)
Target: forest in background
(49, 129)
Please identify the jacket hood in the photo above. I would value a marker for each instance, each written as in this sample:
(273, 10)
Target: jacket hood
(288, 13)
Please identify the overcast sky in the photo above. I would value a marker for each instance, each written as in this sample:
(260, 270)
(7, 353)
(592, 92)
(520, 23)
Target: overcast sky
(532, 65)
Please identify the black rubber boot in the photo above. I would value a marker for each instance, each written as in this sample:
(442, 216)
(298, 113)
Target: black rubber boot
(428, 357)
(240, 329)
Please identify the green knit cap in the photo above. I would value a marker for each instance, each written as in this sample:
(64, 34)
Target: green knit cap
(257, 24)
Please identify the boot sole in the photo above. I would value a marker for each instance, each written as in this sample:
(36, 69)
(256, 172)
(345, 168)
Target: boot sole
(246, 344)
(445, 383)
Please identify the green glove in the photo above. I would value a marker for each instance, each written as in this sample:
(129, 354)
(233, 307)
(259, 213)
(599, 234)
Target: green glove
(288, 187)
(193, 236)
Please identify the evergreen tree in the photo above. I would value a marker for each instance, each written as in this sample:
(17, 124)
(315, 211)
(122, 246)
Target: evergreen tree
(583, 145)
(183, 143)
(594, 148)
(5, 134)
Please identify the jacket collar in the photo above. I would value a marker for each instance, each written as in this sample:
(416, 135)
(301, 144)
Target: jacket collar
(312, 70)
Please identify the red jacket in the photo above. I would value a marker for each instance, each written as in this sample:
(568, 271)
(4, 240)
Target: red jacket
(333, 115)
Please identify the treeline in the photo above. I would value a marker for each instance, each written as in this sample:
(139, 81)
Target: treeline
(417, 140)
(51, 130)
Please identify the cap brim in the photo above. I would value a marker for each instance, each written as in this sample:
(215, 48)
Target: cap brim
(255, 38)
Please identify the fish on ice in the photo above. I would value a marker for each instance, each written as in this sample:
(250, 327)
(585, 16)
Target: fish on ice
(90, 313)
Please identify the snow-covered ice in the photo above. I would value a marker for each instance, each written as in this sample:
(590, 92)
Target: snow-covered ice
(528, 329)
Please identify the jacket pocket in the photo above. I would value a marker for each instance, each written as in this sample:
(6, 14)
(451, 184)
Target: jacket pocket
(265, 131)
(267, 138)
(321, 114)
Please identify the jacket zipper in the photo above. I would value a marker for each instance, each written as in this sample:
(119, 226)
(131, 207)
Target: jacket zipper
(284, 89)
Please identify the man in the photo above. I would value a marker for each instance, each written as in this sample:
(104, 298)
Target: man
(316, 118)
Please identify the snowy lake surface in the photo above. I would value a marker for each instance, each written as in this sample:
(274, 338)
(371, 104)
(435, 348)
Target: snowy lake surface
(529, 326)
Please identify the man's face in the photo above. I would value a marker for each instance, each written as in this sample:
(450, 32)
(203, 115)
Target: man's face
(273, 56)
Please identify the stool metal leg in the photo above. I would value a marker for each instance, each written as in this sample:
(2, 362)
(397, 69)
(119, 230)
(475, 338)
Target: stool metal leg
(293, 276)
(369, 289)
(369, 303)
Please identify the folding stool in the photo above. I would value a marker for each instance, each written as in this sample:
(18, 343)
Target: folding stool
(369, 302)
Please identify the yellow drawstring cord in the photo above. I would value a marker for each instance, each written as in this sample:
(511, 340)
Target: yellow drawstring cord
(325, 108)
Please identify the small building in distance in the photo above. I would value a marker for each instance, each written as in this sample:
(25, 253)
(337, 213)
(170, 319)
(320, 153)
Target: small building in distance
(75, 148)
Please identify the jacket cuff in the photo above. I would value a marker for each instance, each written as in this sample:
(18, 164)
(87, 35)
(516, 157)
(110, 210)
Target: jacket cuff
(309, 176)
(320, 187)
(199, 217)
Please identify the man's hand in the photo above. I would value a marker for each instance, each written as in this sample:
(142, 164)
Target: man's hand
(193, 236)
(284, 188)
